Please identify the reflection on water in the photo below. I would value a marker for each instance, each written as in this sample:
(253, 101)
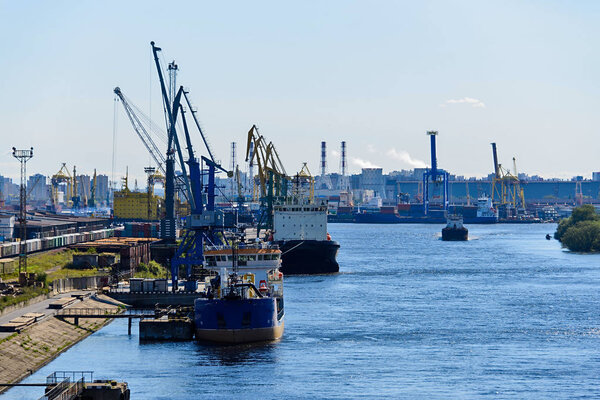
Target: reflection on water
(239, 354)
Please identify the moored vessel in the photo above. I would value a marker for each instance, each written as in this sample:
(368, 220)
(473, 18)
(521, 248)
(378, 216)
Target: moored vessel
(244, 301)
(300, 231)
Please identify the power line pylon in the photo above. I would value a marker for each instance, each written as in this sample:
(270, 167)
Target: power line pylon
(23, 156)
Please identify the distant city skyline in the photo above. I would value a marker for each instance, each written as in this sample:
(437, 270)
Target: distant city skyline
(376, 75)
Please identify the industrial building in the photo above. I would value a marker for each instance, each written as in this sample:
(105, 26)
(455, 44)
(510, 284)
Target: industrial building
(42, 225)
(131, 251)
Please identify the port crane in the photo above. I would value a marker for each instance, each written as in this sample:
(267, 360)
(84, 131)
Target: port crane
(436, 176)
(204, 224)
(63, 176)
(141, 130)
(506, 187)
(272, 178)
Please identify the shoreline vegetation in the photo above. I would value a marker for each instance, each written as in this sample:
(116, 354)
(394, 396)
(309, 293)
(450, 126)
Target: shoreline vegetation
(48, 266)
(581, 231)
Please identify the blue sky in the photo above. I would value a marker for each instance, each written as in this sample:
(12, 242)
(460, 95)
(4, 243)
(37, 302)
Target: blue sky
(377, 74)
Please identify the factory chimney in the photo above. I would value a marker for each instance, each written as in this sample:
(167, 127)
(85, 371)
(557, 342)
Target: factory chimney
(343, 160)
(323, 158)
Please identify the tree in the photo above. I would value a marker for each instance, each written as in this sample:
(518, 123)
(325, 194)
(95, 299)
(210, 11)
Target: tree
(581, 231)
(583, 237)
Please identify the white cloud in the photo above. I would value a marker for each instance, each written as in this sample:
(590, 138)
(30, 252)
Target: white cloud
(371, 148)
(335, 153)
(362, 163)
(475, 103)
(405, 158)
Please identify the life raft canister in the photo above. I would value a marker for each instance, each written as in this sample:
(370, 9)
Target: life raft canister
(263, 286)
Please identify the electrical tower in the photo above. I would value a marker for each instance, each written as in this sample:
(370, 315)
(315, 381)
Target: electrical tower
(23, 156)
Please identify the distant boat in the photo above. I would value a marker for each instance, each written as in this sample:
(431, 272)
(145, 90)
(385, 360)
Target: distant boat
(454, 230)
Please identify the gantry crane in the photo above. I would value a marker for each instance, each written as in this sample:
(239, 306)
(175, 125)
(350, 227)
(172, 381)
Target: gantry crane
(303, 184)
(506, 187)
(272, 178)
(437, 176)
(94, 189)
(63, 176)
(204, 224)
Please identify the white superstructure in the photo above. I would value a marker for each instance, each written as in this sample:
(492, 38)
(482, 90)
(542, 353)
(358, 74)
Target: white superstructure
(485, 208)
(300, 221)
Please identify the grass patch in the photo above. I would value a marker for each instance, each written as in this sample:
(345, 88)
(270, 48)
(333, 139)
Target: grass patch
(28, 293)
(6, 339)
(63, 259)
(42, 262)
(71, 273)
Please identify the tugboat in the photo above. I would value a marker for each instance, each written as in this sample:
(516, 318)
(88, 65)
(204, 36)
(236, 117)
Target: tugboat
(454, 230)
(244, 301)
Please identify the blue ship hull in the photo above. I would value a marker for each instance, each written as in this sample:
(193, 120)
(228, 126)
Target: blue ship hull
(239, 321)
(382, 218)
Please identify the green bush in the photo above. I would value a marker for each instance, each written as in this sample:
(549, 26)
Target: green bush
(583, 237)
(41, 277)
(151, 270)
(581, 231)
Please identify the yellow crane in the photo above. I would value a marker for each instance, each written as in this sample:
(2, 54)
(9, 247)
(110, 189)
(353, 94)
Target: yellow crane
(267, 160)
(304, 184)
(61, 177)
(510, 191)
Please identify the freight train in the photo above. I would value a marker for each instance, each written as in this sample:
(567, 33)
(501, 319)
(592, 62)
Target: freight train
(11, 249)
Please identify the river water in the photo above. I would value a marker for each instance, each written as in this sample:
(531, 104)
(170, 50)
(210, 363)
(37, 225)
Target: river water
(507, 314)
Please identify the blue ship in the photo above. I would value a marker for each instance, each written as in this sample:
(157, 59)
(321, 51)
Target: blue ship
(244, 301)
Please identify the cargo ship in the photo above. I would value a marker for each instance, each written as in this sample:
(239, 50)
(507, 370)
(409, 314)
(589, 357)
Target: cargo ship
(454, 230)
(405, 213)
(300, 231)
(244, 301)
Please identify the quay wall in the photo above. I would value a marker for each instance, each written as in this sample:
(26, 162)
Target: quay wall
(80, 283)
(25, 303)
(25, 352)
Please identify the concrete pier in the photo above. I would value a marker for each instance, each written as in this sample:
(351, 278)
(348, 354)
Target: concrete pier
(166, 329)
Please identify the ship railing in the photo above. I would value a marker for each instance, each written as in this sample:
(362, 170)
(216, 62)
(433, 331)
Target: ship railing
(256, 246)
(59, 376)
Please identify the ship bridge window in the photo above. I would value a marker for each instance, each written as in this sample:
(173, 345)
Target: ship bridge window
(252, 257)
(211, 261)
(261, 257)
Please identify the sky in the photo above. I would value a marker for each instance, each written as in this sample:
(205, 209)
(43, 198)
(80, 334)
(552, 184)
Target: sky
(377, 74)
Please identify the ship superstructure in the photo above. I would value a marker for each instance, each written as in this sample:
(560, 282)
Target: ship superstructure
(300, 230)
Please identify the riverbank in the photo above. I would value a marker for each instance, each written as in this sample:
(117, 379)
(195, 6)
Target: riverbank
(23, 353)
